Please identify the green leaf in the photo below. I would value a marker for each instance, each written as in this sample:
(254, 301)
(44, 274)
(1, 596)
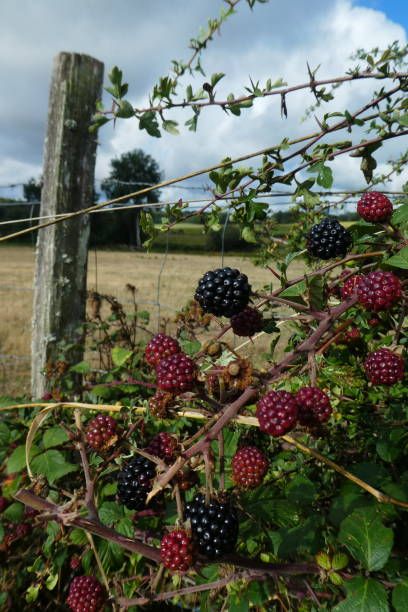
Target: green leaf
(120, 355)
(294, 290)
(53, 465)
(125, 110)
(400, 260)
(400, 596)
(14, 512)
(78, 537)
(148, 122)
(1, 533)
(400, 215)
(301, 490)
(4, 435)
(367, 539)
(51, 581)
(316, 292)
(171, 127)
(82, 367)
(363, 595)
(248, 235)
(32, 593)
(110, 512)
(54, 437)
(16, 462)
(217, 76)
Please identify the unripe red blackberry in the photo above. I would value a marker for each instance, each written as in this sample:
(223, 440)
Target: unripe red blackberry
(3, 504)
(352, 335)
(374, 322)
(176, 551)
(249, 466)
(101, 432)
(74, 562)
(314, 406)
(379, 290)
(328, 239)
(350, 286)
(247, 322)
(135, 482)
(277, 413)
(160, 402)
(383, 367)
(86, 594)
(374, 207)
(214, 527)
(176, 373)
(223, 292)
(159, 347)
(163, 446)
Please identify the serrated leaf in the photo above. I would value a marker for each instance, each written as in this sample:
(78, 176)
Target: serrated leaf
(367, 539)
(51, 581)
(217, 76)
(78, 537)
(294, 290)
(125, 109)
(363, 595)
(14, 512)
(323, 560)
(83, 367)
(110, 513)
(400, 596)
(120, 355)
(171, 127)
(400, 215)
(339, 561)
(335, 578)
(54, 437)
(53, 465)
(16, 462)
(4, 435)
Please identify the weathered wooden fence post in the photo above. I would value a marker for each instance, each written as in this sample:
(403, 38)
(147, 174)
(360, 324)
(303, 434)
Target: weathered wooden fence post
(68, 175)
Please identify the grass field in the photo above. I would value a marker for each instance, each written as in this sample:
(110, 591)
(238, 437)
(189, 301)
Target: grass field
(108, 271)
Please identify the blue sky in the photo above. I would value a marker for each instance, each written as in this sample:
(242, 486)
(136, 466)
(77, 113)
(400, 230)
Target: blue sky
(397, 10)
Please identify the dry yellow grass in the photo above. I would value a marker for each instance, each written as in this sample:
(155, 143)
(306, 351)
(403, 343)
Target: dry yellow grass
(108, 272)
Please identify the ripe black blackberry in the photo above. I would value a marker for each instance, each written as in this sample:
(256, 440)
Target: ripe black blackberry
(277, 413)
(383, 367)
(374, 207)
(176, 373)
(223, 292)
(247, 322)
(379, 290)
(214, 526)
(163, 446)
(101, 432)
(249, 466)
(176, 551)
(135, 482)
(328, 239)
(313, 405)
(86, 594)
(159, 347)
(350, 286)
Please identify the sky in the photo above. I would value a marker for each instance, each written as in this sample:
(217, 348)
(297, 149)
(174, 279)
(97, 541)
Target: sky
(142, 37)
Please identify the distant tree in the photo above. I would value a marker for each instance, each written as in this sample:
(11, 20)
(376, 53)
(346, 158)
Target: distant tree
(131, 172)
(32, 190)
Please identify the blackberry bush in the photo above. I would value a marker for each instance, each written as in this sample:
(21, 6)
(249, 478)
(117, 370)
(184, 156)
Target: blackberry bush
(328, 239)
(379, 290)
(135, 481)
(86, 594)
(214, 526)
(374, 207)
(277, 413)
(176, 374)
(223, 292)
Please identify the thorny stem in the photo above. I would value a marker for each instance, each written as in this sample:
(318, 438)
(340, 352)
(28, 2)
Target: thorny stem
(89, 494)
(208, 475)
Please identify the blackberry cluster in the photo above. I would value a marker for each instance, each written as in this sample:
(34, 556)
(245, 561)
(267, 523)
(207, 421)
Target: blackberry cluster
(379, 290)
(135, 481)
(328, 239)
(223, 292)
(350, 286)
(214, 526)
(176, 374)
(159, 347)
(249, 466)
(383, 367)
(277, 413)
(86, 594)
(374, 207)
(101, 432)
(176, 551)
(313, 405)
(247, 322)
(163, 446)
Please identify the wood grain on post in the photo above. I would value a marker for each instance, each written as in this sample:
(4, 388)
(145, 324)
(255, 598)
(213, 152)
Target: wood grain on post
(68, 182)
